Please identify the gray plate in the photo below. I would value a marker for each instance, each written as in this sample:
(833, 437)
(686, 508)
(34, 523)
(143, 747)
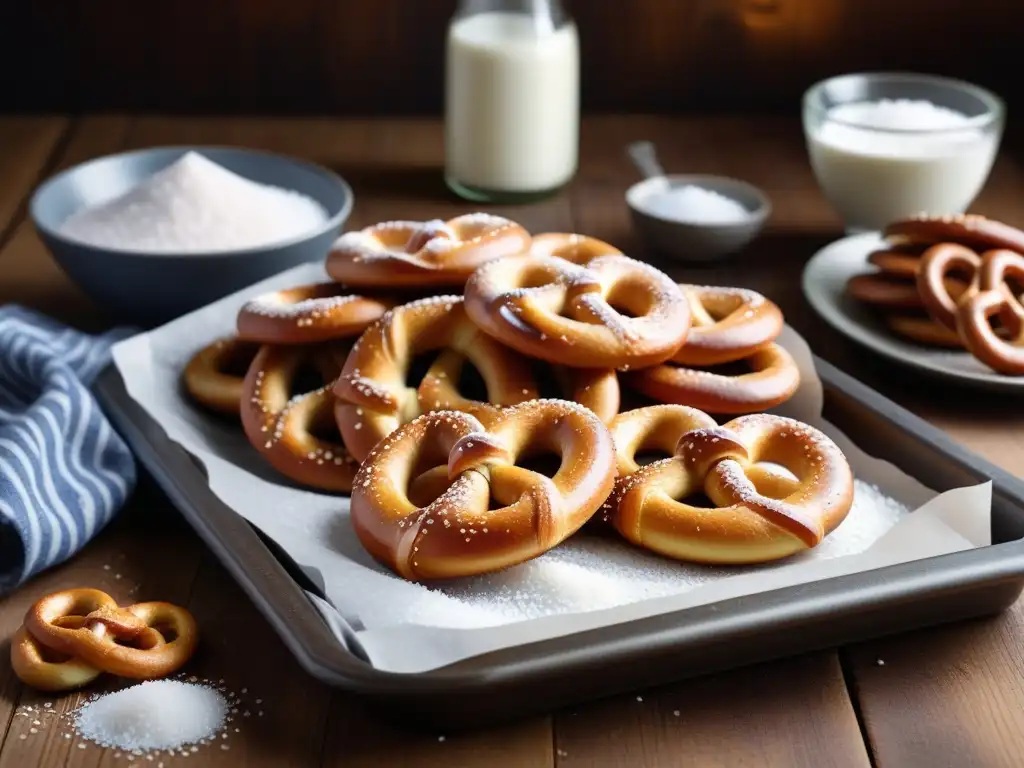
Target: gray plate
(824, 282)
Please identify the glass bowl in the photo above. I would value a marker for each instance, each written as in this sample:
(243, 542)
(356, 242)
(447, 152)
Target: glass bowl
(889, 145)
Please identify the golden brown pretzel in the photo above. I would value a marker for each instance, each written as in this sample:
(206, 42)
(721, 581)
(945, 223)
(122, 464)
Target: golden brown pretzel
(458, 533)
(373, 398)
(728, 324)
(773, 379)
(758, 516)
(285, 426)
(886, 291)
(45, 670)
(579, 249)
(976, 232)
(897, 263)
(308, 314)
(593, 388)
(923, 330)
(933, 279)
(141, 641)
(995, 297)
(429, 253)
(214, 375)
(554, 310)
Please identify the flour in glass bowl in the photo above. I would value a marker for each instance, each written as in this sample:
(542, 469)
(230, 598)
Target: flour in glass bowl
(196, 206)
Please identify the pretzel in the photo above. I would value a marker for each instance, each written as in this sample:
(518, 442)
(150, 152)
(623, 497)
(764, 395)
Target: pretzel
(923, 330)
(458, 534)
(214, 375)
(970, 230)
(896, 262)
(773, 379)
(307, 314)
(758, 515)
(373, 398)
(994, 297)
(579, 249)
(551, 309)
(593, 388)
(881, 290)
(285, 427)
(429, 253)
(43, 669)
(728, 324)
(141, 641)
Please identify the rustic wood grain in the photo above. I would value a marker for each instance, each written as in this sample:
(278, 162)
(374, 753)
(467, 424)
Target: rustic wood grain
(387, 57)
(792, 712)
(27, 143)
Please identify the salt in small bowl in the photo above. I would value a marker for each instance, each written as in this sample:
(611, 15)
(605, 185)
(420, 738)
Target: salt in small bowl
(696, 240)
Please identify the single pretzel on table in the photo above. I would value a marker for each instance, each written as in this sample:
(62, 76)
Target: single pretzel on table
(214, 376)
(422, 254)
(551, 309)
(758, 515)
(459, 533)
(143, 641)
(994, 297)
(729, 324)
(373, 399)
(770, 379)
(285, 426)
(308, 314)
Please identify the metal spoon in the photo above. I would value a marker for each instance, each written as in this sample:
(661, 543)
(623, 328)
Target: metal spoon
(645, 158)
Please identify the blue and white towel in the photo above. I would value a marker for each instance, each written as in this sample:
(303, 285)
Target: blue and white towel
(64, 472)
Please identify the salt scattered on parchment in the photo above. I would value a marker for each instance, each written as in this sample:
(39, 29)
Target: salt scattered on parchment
(195, 205)
(157, 714)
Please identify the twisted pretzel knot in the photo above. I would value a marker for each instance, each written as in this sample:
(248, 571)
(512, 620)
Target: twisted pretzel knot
(308, 314)
(554, 310)
(994, 297)
(758, 515)
(430, 253)
(373, 398)
(458, 533)
(215, 375)
(287, 428)
(94, 635)
(729, 324)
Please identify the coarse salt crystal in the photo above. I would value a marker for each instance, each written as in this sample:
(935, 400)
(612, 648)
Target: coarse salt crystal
(157, 714)
(195, 205)
(697, 205)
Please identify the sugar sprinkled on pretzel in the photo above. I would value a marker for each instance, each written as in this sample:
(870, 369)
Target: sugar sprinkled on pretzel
(579, 249)
(728, 324)
(458, 533)
(373, 397)
(141, 641)
(757, 516)
(431, 253)
(214, 376)
(772, 380)
(285, 427)
(554, 310)
(308, 314)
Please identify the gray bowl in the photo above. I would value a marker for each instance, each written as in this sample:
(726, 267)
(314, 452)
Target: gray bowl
(151, 288)
(691, 241)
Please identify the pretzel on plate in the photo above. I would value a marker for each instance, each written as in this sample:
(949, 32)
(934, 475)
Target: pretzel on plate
(970, 230)
(307, 314)
(429, 253)
(994, 297)
(758, 514)
(373, 397)
(214, 376)
(554, 310)
(728, 324)
(141, 641)
(458, 533)
(773, 379)
(922, 329)
(285, 426)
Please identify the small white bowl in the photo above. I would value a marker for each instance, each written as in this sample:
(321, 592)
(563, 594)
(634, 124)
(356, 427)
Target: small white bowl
(694, 240)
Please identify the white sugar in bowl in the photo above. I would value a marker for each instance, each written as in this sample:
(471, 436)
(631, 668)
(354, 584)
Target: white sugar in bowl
(696, 217)
(886, 146)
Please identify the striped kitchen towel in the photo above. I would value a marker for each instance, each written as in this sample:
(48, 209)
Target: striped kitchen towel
(64, 472)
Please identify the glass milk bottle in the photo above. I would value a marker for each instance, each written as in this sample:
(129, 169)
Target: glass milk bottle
(511, 100)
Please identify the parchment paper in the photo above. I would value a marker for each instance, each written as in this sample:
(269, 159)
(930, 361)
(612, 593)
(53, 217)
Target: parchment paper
(589, 581)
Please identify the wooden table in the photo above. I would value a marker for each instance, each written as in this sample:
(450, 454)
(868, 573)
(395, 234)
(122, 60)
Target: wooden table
(949, 696)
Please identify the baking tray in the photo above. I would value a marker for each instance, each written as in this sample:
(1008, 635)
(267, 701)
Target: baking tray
(546, 675)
